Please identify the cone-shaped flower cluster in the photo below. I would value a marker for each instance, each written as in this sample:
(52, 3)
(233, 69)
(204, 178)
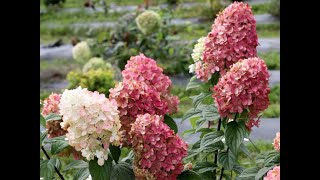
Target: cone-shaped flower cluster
(92, 122)
(233, 37)
(273, 174)
(243, 87)
(81, 52)
(145, 89)
(158, 151)
(276, 142)
(148, 21)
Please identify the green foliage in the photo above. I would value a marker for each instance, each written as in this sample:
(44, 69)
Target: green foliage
(95, 80)
(211, 10)
(122, 171)
(272, 59)
(260, 8)
(58, 3)
(189, 175)
(100, 172)
(274, 8)
(171, 123)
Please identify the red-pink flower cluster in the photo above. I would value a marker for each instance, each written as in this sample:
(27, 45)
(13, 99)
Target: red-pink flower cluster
(243, 87)
(145, 89)
(276, 142)
(233, 37)
(50, 105)
(158, 151)
(273, 174)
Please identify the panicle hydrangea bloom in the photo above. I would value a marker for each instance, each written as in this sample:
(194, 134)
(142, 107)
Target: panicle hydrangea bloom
(51, 105)
(148, 21)
(158, 151)
(81, 52)
(145, 89)
(92, 122)
(197, 53)
(273, 174)
(233, 37)
(243, 87)
(96, 63)
(276, 142)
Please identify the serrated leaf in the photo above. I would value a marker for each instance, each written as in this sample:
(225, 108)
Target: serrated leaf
(237, 168)
(171, 123)
(122, 171)
(82, 174)
(211, 138)
(42, 137)
(189, 175)
(193, 83)
(234, 135)
(58, 146)
(197, 99)
(272, 158)
(77, 164)
(100, 172)
(191, 113)
(52, 116)
(47, 169)
(226, 159)
(262, 172)
(245, 150)
(42, 121)
(248, 174)
(202, 167)
(128, 158)
(115, 152)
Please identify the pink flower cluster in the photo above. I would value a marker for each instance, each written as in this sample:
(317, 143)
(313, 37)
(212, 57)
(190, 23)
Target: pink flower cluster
(243, 87)
(233, 37)
(51, 106)
(158, 151)
(276, 142)
(145, 89)
(273, 174)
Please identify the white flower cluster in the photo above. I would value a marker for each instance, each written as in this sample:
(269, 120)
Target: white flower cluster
(81, 52)
(197, 53)
(96, 63)
(92, 122)
(148, 21)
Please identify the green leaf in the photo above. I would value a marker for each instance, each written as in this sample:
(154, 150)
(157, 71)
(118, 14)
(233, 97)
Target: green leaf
(115, 152)
(52, 116)
(42, 137)
(42, 121)
(57, 163)
(237, 168)
(188, 132)
(272, 158)
(211, 138)
(171, 123)
(77, 164)
(226, 159)
(122, 171)
(193, 83)
(261, 156)
(191, 113)
(262, 172)
(245, 150)
(189, 175)
(196, 100)
(204, 131)
(234, 134)
(129, 158)
(58, 146)
(82, 174)
(193, 122)
(202, 167)
(248, 174)
(100, 172)
(47, 169)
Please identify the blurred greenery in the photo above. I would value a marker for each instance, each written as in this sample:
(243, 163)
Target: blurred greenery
(272, 59)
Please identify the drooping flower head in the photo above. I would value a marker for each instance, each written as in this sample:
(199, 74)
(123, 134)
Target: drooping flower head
(148, 21)
(233, 37)
(51, 105)
(158, 151)
(276, 142)
(96, 63)
(145, 89)
(273, 174)
(81, 52)
(243, 87)
(92, 122)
